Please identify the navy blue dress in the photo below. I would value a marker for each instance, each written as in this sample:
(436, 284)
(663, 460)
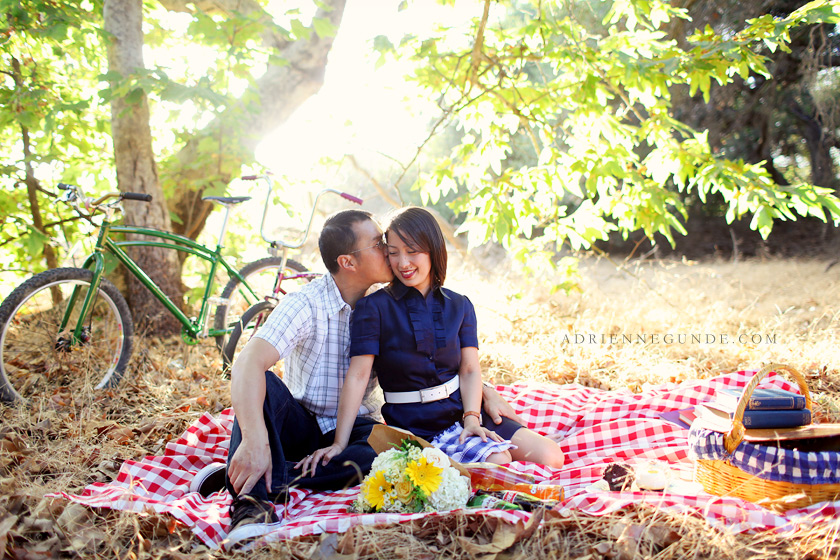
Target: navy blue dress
(416, 343)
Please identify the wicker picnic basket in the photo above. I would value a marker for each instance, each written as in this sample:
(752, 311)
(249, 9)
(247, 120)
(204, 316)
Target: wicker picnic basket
(723, 478)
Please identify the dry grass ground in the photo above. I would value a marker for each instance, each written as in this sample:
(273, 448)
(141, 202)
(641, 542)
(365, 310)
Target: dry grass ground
(789, 311)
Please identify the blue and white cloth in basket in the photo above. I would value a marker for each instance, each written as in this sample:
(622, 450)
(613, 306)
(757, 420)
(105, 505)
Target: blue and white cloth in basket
(766, 461)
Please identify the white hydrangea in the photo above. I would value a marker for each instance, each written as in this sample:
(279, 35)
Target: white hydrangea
(453, 493)
(391, 461)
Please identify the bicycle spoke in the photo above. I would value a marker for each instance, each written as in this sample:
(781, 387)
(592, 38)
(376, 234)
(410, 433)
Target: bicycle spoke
(38, 359)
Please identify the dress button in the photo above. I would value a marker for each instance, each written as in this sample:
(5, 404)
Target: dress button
(431, 358)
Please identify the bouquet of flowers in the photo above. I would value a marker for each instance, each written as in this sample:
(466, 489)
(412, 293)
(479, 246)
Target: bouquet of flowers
(409, 479)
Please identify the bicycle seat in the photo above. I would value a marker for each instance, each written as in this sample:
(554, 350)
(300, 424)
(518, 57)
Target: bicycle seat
(227, 200)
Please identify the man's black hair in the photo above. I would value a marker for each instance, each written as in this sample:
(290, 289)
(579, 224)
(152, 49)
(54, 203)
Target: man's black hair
(338, 238)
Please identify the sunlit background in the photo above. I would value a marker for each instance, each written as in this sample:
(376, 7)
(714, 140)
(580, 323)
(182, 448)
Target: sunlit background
(366, 108)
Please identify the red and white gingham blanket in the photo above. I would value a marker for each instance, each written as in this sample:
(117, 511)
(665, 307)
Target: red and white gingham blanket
(598, 427)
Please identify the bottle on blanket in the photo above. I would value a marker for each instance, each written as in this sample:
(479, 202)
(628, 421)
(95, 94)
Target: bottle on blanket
(492, 477)
(509, 500)
(484, 499)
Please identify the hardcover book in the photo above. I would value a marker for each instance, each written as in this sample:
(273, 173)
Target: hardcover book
(682, 418)
(721, 421)
(761, 399)
(688, 415)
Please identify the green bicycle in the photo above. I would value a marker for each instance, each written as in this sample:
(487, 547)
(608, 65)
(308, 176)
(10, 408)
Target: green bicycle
(71, 325)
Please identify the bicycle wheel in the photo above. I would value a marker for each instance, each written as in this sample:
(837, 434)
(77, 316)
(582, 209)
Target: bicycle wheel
(244, 329)
(34, 355)
(261, 276)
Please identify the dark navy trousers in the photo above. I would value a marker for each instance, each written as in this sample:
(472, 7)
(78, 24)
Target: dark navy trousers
(293, 433)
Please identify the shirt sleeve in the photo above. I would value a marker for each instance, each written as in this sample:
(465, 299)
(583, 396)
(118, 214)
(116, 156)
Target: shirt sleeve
(469, 326)
(289, 323)
(365, 328)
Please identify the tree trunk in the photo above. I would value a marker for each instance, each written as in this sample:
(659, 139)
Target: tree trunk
(30, 180)
(137, 172)
(823, 172)
(281, 90)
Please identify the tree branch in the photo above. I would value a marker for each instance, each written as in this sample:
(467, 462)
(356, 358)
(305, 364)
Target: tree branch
(373, 181)
(445, 226)
(479, 42)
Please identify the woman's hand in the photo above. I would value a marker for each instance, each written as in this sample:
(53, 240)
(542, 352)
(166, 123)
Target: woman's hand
(473, 429)
(310, 462)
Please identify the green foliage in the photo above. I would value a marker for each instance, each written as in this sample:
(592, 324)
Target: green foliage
(56, 90)
(50, 123)
(588, 88)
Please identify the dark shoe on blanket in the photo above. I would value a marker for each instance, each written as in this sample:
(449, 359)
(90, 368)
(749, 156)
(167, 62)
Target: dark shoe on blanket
(250, 518)
(208, 480)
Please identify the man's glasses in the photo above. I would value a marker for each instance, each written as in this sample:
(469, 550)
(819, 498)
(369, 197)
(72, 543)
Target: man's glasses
(379, 245)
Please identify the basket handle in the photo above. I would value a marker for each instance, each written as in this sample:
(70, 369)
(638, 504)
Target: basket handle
(736, 434)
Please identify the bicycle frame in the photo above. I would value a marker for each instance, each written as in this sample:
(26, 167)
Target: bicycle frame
(194, 328)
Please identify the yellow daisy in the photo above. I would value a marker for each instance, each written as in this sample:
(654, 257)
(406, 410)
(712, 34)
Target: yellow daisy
(376, 488)
(425, 475)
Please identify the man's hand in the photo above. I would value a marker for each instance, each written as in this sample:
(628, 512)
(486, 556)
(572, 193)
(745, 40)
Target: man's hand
(496, 407)
(252, 459)
(249, 464)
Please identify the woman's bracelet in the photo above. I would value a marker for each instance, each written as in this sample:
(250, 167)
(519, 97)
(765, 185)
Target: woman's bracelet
(471, 413)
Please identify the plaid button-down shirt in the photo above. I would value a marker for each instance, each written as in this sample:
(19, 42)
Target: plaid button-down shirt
(310, 329)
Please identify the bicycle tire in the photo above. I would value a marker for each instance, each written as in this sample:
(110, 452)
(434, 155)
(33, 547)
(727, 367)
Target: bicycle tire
(248, 324)
(260, 277)
(33, 357)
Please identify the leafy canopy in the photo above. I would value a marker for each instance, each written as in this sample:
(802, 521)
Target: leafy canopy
(56, 90)
(49, 56)
(567, 128)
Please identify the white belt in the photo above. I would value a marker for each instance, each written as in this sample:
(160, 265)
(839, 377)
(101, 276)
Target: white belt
(436, 393)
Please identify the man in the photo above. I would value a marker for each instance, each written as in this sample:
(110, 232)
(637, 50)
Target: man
(278, 422)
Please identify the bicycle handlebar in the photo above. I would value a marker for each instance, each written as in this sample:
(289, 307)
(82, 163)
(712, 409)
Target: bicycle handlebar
(137, 196)
(344, 195)
(270, 182)
(75, 195)
(351, 198)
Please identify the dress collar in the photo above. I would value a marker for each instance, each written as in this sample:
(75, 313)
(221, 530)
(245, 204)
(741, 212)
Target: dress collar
(399, 290)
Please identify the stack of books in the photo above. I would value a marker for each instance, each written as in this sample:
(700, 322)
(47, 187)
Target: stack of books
(766, 408)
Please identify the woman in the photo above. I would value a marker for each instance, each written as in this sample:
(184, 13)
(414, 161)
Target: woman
(421, 339)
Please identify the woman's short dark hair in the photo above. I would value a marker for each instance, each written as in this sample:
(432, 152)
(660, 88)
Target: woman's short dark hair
(418, 229)
(338, 238)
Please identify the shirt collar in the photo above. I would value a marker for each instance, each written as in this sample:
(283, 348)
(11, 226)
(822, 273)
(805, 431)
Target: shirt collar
(335, 303)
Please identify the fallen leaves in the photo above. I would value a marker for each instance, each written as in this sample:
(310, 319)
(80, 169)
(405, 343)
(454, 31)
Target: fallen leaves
(77, 523)
(504, 536)
(6, 524)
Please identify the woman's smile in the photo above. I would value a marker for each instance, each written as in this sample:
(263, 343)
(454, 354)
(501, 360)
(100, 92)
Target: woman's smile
(411, 266)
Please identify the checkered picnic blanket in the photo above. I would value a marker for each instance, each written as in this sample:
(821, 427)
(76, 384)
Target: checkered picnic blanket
(597, 428)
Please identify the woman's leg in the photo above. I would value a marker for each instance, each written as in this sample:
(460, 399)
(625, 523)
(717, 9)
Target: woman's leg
(532, 447)
(500, 458)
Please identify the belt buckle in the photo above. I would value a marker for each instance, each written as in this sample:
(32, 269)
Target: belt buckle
(433, 394)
